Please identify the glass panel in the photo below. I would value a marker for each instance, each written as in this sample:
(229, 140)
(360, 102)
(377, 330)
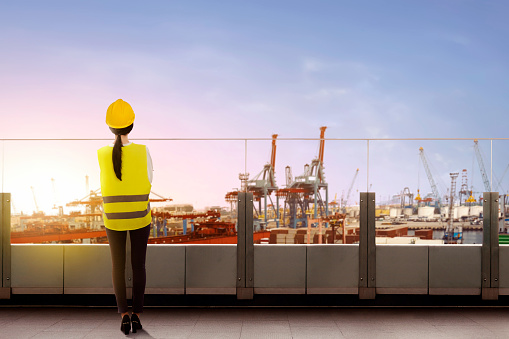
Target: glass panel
(413, 181)
(303, 183)
(44, 177)
(55, 188)
(197, 175)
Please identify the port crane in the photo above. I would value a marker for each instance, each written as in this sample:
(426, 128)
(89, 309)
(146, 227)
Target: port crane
(344, 203)
(305, 189)
(486, 181)
(432, 183)
(465, 195)
(452, 235)
(264, 183)
(406, 198)
(35, 200)
(261, 185)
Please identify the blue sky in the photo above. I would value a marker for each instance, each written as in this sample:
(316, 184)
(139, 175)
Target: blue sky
(194, 69)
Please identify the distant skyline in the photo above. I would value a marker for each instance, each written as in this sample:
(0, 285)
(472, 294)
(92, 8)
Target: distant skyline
(229, 69)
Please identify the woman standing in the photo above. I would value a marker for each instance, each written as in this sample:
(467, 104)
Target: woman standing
(126, 177)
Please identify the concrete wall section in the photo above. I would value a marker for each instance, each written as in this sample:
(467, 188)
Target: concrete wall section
(211, 269)
(455, 269)
(503, 265)
(401, 269)
(332, 269)
(37, 269)
(87, 269)
(280, 269)
(166, 269)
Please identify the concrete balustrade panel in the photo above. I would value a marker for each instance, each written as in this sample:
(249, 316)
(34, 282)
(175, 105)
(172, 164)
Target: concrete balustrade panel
(37, 269)
(166, 269)
(503, 265)
(332, 269)
(455, 269)
(211, 269)
(87, 269)
(402, 269)
(280, 269)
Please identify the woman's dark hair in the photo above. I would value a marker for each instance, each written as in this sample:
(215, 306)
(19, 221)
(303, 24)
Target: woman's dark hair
(116, 155)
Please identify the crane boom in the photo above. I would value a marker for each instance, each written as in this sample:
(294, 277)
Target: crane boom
(351, 186)
(35, 200)
(487, 186)
(432, 183)
(322, 144)
(273, 152)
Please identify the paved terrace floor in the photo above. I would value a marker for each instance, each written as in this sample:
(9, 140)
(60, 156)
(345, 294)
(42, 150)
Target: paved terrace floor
(259, 322)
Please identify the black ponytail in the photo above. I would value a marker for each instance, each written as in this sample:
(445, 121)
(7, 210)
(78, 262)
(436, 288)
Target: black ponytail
(116, 155)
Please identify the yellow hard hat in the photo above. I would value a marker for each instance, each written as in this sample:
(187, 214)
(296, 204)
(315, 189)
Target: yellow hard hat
(120, 114)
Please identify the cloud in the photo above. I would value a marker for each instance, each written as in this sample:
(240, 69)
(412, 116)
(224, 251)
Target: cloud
(327, 93)
(313, 65)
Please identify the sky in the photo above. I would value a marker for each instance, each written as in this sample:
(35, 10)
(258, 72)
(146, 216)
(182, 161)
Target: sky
(249, 69)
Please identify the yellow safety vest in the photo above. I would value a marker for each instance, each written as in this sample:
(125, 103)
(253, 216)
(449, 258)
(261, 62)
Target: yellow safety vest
(125, 203)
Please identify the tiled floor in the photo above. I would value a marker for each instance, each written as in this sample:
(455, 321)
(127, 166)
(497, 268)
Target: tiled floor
(375, 322)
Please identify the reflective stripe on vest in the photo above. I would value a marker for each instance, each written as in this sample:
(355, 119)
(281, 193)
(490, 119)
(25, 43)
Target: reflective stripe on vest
(127, 215)
(125, 198)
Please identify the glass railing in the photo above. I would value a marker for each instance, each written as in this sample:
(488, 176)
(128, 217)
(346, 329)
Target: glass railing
(56, 197)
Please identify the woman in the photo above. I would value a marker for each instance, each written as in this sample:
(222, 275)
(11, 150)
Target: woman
(126, 179)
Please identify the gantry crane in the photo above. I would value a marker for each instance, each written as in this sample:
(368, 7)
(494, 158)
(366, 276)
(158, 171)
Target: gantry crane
(451, 235)
(486, 181)
(35, 200)
(306, 189)
(465, 195)
(345, 202)
(264, 183)
(406, 198)
(261, 185)
(432, 183)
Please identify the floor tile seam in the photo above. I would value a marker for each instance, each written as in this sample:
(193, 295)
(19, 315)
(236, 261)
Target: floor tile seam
(74, 329)
(264, 321)
(443, 330)
(320, 333)
(97, 323)
(281, 330)
(14, 327)
(317, 327)
(487, 328)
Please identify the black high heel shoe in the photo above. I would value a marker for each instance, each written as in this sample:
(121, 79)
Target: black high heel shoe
(136, 323)
(125, 325)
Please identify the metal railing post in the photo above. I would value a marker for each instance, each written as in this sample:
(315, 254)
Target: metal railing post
(490, 248)
(367, 247)
(245, 246)
(5, 244)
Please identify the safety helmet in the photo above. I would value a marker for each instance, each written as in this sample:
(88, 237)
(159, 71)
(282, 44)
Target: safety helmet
(120, 114)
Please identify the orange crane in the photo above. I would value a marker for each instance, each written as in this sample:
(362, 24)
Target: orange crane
(306, 189)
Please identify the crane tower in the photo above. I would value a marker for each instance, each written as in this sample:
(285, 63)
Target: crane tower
(432, 183)
(264, 183)
(451, 235)
(305, 189)
(261, 185)
(486, 181)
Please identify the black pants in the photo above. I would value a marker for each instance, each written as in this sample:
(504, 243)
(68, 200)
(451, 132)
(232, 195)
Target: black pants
(117, 240)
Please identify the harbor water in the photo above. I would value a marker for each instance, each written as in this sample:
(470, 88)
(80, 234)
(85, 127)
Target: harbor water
(469, 236)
